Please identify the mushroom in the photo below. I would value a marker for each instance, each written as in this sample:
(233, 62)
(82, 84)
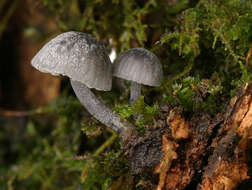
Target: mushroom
(84, 60)
(139, 66)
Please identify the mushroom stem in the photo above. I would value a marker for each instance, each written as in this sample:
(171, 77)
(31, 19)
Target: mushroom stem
(99, 110)
(135, 92)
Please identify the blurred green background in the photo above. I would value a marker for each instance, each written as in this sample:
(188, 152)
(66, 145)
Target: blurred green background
(49, 141)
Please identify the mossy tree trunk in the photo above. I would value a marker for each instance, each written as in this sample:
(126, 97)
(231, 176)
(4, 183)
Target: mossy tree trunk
(202, 152)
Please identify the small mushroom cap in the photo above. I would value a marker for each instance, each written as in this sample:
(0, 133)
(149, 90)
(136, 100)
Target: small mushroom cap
(79, 56)
(139, 65)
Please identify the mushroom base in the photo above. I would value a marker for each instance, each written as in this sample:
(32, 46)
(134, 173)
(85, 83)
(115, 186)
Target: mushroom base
(98, 110)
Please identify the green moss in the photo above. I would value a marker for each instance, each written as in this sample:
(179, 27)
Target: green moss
(104, 169)
(139, 113)
(193, 94)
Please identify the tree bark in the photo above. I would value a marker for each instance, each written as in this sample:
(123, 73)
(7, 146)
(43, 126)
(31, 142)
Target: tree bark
(203, 153)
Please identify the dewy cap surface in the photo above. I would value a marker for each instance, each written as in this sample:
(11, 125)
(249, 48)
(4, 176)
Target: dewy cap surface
(139, 65)
(79, 56)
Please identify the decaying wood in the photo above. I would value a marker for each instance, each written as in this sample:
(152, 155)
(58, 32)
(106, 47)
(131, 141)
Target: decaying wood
(168, 151)
(146, 152)
(203, 153)
(227, 165)
(179, 127)
(192, 152)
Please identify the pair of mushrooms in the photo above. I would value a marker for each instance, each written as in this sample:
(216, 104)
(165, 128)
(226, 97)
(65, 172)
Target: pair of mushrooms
(84, 60)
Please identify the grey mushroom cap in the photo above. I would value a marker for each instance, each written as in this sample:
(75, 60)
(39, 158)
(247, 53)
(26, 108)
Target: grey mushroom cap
(139, 65)
(79, 56)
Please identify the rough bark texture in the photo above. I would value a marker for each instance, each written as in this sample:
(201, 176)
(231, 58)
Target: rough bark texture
(204, 153)
(227, 165)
